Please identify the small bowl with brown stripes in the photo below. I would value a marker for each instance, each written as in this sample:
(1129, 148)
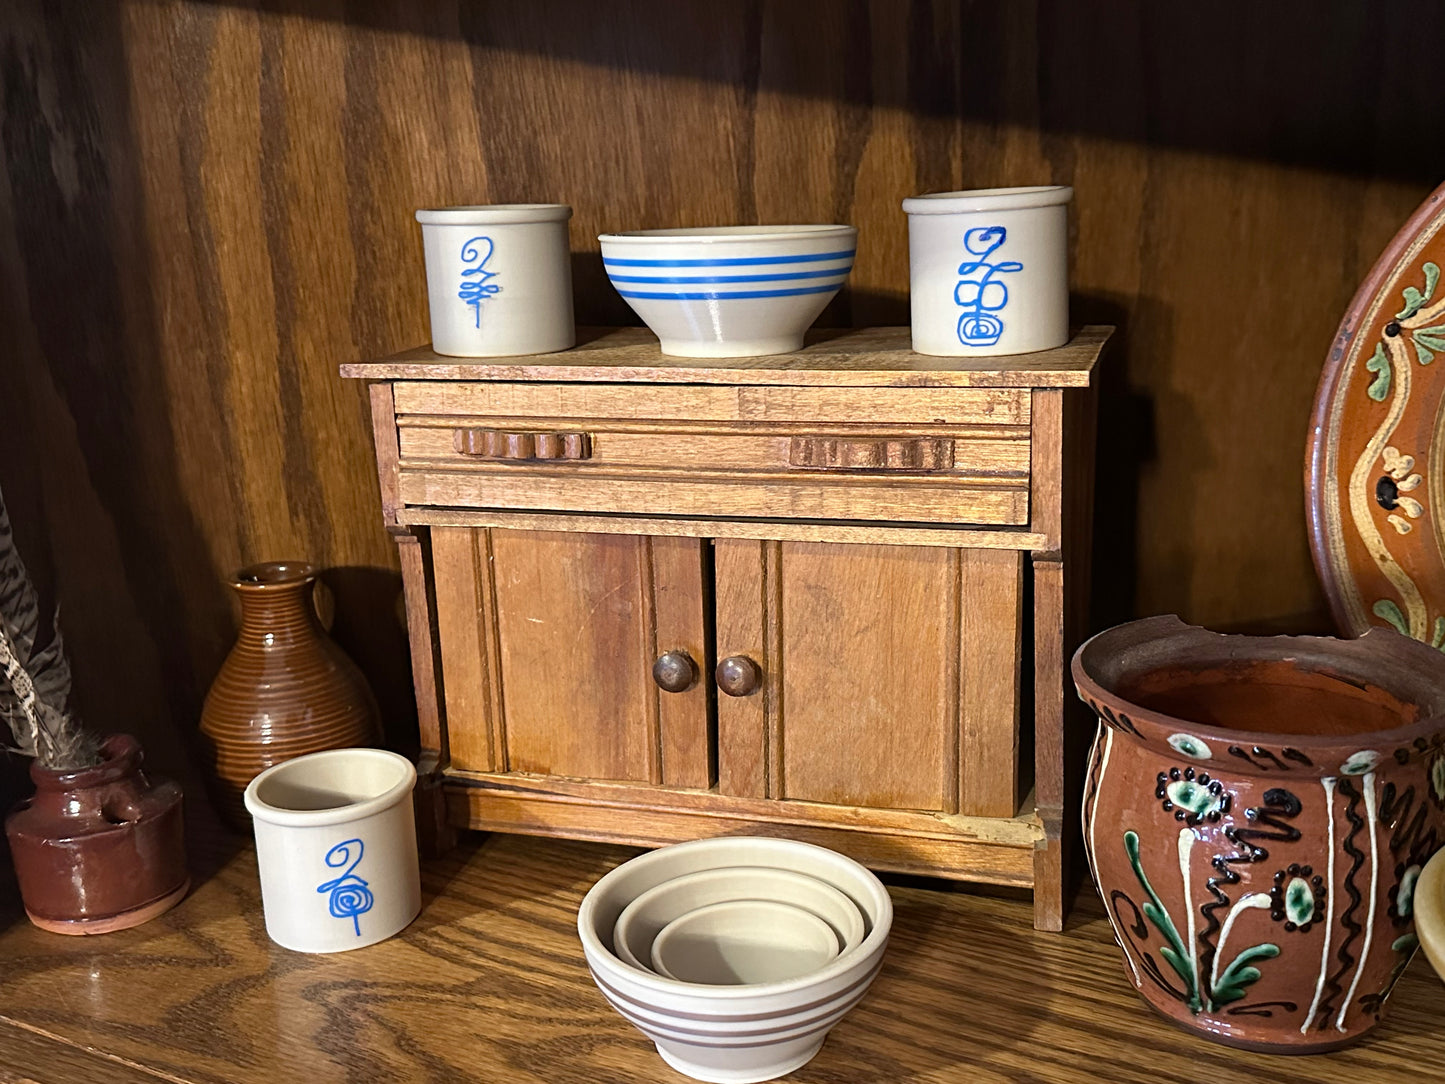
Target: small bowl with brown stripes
(735, 1034)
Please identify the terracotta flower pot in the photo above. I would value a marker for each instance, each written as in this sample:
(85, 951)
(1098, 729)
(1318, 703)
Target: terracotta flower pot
(284, 690)
(99, 849)
(1256, 813)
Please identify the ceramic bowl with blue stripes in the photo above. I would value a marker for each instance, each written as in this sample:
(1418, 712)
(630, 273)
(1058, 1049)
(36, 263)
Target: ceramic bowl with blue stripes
(730, 292)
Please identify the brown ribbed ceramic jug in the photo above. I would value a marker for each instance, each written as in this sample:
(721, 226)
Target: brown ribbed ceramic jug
(285, 689)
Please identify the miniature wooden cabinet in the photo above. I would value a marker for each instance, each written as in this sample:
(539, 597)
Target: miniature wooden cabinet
(656, 598)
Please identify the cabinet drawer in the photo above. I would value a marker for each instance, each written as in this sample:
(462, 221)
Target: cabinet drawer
(947, 455)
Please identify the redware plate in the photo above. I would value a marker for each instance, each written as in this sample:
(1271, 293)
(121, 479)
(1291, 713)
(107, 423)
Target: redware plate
(1375, 468)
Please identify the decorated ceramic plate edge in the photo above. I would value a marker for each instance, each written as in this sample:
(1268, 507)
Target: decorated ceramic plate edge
(1322, 498)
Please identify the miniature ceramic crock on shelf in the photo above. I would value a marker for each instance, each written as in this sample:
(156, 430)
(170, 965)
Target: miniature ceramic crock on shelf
(285, 689)
(99, 849)
(724, 1033)
(1257, 811)
(988, 270)
(499, 279)
(336, 848)
(729, 291)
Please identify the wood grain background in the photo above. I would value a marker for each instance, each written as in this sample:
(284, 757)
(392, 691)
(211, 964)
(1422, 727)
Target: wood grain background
(206, 207)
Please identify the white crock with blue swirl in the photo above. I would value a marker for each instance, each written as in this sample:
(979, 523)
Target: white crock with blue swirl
(499, 279)
(730, 292)
(336, 848)
(988, 270)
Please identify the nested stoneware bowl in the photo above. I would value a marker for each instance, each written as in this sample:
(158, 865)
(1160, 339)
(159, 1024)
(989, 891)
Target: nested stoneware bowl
(1257, 811)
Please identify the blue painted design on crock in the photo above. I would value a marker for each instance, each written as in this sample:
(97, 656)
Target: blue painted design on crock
(350, 896)
(978, 292)
(475, 290)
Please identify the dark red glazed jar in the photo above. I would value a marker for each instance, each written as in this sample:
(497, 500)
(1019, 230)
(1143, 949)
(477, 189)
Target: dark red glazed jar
(99, 849)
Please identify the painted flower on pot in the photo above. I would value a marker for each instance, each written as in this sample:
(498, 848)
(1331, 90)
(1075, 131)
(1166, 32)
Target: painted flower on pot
(1207, 983)
(1391, 489)
(1192, 797)
(1360, 763)
(1190, 746)
(1297, 898)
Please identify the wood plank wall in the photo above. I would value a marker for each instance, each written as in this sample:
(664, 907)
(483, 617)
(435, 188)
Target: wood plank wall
(206, 207)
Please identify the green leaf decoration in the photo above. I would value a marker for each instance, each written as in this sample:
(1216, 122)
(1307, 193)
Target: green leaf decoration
(1240, 974)
(1386, 610)
(1178, 963)
(1154, 910)
(1405, 943)
(1429, 341)
(1438, 639)
(1379, 364)
(1414, 302)
(1414, 299)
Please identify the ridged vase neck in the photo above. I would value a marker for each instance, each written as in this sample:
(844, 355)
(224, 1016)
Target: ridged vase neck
(276, 604)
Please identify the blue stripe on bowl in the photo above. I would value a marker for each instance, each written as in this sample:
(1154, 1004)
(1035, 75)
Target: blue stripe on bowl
(828, 272)
(724, 296)
(738, 261)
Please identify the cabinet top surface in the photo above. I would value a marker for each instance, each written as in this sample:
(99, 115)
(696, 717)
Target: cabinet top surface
(864, 357)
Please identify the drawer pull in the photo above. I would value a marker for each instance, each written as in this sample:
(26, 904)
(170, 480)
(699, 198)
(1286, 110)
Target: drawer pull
(738, 675)
(872, 453)
(501, 444)
(674, 672)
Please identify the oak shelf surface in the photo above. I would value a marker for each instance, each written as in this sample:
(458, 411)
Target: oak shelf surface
(862, 357)
(489, 984)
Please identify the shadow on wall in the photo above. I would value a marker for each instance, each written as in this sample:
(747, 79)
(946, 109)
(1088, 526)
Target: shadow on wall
(368, 622)
(1125, 447)
(1325, 84)
(93, 400)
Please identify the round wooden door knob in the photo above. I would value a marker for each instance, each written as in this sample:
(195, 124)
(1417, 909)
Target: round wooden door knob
(674, 672)
(738, 675)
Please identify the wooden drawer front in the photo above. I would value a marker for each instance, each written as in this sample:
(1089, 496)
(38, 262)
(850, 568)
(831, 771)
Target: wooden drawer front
(902, 454)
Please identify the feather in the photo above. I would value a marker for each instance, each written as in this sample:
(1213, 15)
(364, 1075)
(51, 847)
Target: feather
(35, 681)
(19, 606)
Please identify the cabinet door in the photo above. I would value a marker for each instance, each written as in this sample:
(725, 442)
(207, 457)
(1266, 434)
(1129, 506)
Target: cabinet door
(548, 641)
(889, 674)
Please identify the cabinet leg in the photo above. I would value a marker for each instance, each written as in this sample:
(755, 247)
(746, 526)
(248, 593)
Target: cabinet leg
(1051, 905)
(435, 835)
(1050, 860)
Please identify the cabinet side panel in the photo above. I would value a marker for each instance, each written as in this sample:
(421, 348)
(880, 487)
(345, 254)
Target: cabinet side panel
(742, 612)
(867, 634)
(462, 598)
(990, 652)
(576, 644)
(678, 598)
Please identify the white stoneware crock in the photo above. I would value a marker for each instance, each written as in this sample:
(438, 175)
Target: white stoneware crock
(336, 848)
(988, 270)
(499, 279)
